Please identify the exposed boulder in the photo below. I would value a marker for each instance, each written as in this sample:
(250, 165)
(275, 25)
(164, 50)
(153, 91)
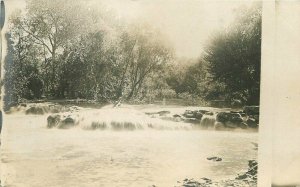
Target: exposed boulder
(68, 121)
(236, 118)
(63, 121)
(188, 114)
(192, 120)
(251, 122)
(42, 108)
(163, 113)
(214, 158)
(53, 120)
(190, 183)
(247, 179)
(209, 113)
(243, 125)
(251, 174)
(223, 117)
(203, 111)
(256, 117)
(198, 115)
(193, 114)
(160, 113)
(177, 117)
(37, 110)
(230, 120)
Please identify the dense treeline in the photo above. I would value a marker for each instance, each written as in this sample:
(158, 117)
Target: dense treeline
(229, 68)
(70, 50)
(234, 58)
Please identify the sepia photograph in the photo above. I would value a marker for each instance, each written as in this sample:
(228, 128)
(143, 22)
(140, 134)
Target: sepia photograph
(154, 93)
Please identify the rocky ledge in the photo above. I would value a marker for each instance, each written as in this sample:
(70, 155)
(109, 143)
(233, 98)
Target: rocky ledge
(218, 120)
(246, 179)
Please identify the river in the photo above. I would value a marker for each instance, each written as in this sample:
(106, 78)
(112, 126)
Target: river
(34, 156)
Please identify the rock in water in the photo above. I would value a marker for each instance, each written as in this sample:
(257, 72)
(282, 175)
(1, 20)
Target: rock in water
(231, 120)
(209, 113)
(35, 110)
(68, 122)
(251, 122)
(251, 174)
(163, 113)
(53, 120)
(236, 118)
(198, 115)
(243, 125)
(223, 117)
(193, 114)
(214, 158)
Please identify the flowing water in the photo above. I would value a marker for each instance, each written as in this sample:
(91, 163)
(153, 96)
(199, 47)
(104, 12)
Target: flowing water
(33, 155)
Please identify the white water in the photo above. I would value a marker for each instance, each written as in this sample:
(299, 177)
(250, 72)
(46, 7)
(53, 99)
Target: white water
(33, 155)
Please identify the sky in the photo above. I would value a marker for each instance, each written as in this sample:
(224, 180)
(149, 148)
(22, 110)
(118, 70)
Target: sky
(188, 24)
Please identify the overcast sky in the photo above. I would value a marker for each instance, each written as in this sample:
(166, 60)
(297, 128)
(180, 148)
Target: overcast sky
(187, 23)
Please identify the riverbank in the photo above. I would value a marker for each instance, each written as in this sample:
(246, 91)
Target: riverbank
(245, 179)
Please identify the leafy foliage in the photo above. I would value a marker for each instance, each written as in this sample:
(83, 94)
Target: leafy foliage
(65, 49)
(234, 57)
(58, 53)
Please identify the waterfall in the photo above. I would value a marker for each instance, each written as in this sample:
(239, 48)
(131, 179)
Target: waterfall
(208, 121)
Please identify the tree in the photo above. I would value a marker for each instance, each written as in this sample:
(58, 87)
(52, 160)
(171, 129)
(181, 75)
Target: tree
(144, 51)
(93, 69)
(50, 25)
(22, 79)
(234, 57)
(70, 52)
(176, 74)
(189, 76)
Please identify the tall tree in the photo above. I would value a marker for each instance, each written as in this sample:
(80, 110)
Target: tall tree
(22, 79)
(234, 57)
(146, 51)
(51, 24)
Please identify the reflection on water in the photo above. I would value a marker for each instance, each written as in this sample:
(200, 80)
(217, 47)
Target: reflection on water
(35, 156)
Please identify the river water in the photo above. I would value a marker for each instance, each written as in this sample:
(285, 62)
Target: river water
(34, 156)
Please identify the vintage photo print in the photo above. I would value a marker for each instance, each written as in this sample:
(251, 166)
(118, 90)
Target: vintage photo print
(152, 93)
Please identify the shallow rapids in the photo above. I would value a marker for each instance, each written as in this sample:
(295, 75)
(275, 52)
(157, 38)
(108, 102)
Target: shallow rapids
(33, 155)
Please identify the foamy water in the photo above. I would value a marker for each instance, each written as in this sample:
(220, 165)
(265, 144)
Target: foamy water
(33, 155)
